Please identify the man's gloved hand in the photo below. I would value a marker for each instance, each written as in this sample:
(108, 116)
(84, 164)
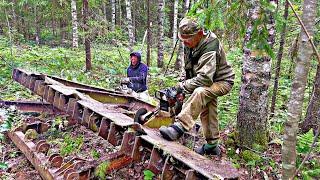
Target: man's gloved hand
(125, 80)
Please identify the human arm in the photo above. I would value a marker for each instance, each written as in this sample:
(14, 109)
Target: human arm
(204, 73)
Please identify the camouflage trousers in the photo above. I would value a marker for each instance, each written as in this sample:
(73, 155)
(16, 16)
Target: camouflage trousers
(203, 102)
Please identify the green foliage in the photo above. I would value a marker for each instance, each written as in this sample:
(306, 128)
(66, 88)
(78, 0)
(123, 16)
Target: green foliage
(100, 171)
(148, 175)
(71, 145)
(304, 142)
(95, 154)
(3, 165)
(250, 157)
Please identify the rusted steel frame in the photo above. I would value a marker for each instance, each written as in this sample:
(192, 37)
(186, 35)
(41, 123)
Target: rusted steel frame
(27, 149)
(190, 159)
(80, 85)
(31, 106)
(85, 113)
(33, 81)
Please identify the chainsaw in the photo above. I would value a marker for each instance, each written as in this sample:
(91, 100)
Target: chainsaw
(171, 101)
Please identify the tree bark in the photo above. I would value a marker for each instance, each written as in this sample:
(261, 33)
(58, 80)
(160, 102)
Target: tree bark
(129, 25)
(74, 24)
(297, 91)
(253, 111)
(149, 34)
(180, 54)
(279, 57)
(113, 9)
(87, 39)
(120, 12)
(37, 24)
(312, 118)
(175, 22)
(160, 32)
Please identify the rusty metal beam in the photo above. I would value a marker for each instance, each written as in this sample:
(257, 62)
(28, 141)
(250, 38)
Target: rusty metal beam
(31, 106)
(27, 149)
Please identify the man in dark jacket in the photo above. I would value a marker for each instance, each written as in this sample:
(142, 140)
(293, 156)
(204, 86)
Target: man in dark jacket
(137, 73)
(208, 76)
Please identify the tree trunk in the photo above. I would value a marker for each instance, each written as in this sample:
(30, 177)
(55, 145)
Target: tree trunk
(52, 24)
(37, 24)
(149, 34)
(134, 20)
(86, 30)
(253, 111)
(129, 25)
(297, 91)
(312, 120)
(113, 9)
(74, 24)
(62, 30)
(104, 10)
(120, 12)
(160, 32)
(175, 21)
(279, 57)
(180, 54)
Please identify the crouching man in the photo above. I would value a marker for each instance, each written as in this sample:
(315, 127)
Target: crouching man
(208, 75)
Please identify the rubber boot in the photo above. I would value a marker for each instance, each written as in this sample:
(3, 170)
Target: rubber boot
(172, 132)
(208, 149)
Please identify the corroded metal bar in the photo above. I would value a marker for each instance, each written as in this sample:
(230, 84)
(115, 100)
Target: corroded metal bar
(31, 106)
(27, 149)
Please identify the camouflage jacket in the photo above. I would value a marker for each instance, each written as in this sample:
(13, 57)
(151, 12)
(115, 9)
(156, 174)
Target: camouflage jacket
(206, 64)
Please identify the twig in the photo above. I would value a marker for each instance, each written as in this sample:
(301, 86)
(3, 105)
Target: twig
(308, 155)
(305, 30)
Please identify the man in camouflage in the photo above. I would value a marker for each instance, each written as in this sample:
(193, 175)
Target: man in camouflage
(208, 75)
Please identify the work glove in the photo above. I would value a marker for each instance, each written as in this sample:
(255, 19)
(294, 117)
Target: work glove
(125, 80)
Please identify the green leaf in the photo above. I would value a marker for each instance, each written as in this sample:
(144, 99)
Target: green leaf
(2, 137)
(148, 175)
(3, 165)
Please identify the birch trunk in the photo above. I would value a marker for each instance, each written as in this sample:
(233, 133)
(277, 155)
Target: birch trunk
(252, 114)
(279, 57)
(175, 22)
(74, 24)
(297, 91)
(160, 32)
(129, 25)
(312, 118)
(113, 19)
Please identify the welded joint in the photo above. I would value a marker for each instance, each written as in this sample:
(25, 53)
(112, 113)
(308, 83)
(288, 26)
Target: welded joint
(156, 162)
(104, 128)
(127, 142)
(168, 171)
(114, 135)
(39, 88)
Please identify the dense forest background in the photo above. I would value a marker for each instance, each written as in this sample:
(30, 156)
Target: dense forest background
(277, 87)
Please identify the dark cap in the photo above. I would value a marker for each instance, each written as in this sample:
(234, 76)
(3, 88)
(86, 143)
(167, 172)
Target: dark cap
(188, 27)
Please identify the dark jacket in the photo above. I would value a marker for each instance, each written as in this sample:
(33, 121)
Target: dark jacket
(138, 77)
(206, 64)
